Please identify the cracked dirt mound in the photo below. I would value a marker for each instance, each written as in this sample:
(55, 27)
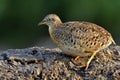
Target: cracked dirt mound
(39, 63)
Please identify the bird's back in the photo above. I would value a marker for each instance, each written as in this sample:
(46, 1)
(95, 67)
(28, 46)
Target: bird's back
(81, 37)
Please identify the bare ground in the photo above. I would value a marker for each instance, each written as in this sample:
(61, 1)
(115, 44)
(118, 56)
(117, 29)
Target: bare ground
(38, 63)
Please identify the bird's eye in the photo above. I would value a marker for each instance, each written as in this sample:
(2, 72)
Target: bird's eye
(49, 19)
(52, 19)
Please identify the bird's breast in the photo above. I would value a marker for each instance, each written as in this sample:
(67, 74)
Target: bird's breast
(67, 44)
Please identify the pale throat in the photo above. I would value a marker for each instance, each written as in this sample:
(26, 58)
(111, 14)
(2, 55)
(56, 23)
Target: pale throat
(52, 26)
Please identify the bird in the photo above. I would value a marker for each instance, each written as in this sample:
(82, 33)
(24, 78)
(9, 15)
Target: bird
(77, 38)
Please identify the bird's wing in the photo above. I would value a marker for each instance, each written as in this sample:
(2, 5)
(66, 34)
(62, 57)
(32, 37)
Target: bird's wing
(87, 35)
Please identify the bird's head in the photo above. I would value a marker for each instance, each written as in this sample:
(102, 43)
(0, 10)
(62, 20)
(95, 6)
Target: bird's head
(51, 20)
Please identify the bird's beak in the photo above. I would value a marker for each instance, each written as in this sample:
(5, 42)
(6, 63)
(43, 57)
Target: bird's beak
(42, 22)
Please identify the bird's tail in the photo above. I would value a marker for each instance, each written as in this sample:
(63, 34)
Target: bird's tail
(113, 42)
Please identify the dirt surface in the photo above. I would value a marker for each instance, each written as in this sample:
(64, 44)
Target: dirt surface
(37, 63)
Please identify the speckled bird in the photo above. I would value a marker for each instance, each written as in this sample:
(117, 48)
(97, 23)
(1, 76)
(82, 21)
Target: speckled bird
(77, 38)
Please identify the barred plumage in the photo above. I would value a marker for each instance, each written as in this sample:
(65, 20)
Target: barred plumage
(77, 38)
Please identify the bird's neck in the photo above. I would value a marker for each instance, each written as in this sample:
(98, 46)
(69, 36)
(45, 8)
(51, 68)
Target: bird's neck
(52, 28)
(54, 25)
(51, 31)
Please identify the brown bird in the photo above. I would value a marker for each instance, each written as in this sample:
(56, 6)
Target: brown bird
(77, 38)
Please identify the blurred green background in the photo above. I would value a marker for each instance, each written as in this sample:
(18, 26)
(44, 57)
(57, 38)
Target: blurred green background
(19, 19)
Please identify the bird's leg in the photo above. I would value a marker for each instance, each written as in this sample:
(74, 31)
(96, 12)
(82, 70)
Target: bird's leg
(90, 59)
(77, 57)
(81, 60)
